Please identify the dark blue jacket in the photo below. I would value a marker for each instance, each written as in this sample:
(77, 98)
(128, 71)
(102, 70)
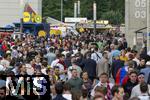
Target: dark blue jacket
(116, 65)
(89, 65)
(59, 97)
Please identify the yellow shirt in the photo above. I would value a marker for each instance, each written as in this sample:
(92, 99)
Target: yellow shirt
(124, 58)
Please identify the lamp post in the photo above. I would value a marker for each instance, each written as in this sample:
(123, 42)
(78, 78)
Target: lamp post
(61, 10)
(94, 17)
(21, 15)
(148, 25)
(75, 9)
(78, 8)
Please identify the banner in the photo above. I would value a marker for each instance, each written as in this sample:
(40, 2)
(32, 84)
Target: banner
(30, 15)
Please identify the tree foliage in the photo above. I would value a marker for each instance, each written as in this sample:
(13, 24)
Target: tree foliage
(114, 17)
(112, 10)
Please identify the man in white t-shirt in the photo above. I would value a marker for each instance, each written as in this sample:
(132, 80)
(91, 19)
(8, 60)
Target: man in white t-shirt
(104, 83)
(136, 90)
(145, 93)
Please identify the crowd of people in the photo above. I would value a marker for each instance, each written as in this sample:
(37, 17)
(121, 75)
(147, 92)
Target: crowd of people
(85, 67)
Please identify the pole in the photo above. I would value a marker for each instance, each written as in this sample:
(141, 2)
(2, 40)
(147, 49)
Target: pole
(78, 8)
(21, 25)
(94, 17)
(21, 16)
(148, 25)
(61, 10)
(75, 10)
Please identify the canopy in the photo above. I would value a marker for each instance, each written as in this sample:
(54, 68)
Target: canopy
(55, 32)
(53, 21)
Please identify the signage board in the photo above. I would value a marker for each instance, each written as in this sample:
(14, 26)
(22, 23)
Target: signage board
(75, 20)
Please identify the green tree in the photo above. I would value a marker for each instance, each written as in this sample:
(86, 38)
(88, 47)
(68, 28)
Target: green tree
(112, 10)
(114, 17)
(51, 8)
(103, 6)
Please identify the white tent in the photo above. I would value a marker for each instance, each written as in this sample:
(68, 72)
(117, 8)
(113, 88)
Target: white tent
(53, 21)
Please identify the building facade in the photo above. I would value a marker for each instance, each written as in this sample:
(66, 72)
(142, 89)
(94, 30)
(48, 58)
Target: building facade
(12, 10)
(136, 18)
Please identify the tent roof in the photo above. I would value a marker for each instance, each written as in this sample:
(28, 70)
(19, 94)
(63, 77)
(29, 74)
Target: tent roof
(53, 21)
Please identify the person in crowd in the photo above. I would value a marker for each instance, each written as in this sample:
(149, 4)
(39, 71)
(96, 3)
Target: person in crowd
(134, 98)
(3, 95)
(59, 91)
(74, 66)
(122, 72)
(148, 79)
(79, 59)
(132, 81)
(146, 71)
(102, 65)
(126, 77)
(100, 91)
(16, 69)
(38, 61)
(31, 53)
(143, 54)
(120, 45)
(51, 56)
(117, 92)
(60, 63)
(66, 50)
(116, 65)
(123, 56)
(136, 57)
(114, 52)
(67, 60)
(96, 55)
(51, 75)
(14, 53)
(56, 73)
(76, 95)
(130, 58)
(67, 91)
(128, 52)
(84, 50)
(75, 82)
(55, 62)
(89, 65)
(55, 56)
(53, 91)
(3, 92)
(98, 98)
(84, 95)
(4, 46)
(44, 67)
(5, 61)
(145, 92)
(141, 65)
(104, 82)
(22, 69)
(136, 90)
(2, 68)
(87, 83)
